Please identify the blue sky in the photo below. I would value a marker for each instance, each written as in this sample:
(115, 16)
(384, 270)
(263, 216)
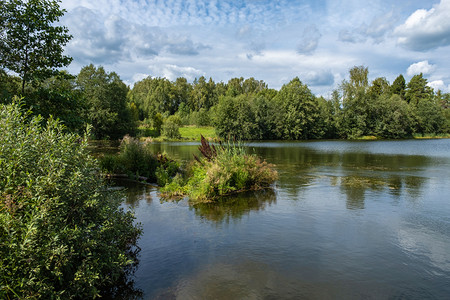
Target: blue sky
(274, 41)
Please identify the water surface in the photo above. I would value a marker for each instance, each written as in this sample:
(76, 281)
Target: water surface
(345, 220)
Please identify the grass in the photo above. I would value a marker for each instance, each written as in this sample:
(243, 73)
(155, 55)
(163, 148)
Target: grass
(221, 171)
(432, 136)
(194, 133)
(188, 133)
(367, 138)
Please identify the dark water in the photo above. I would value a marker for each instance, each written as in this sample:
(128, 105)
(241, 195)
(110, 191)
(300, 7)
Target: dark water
(346, 220)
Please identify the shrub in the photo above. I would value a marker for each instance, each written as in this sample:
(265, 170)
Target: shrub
(222, 171)
(135, 160)
(63, 235)
(171, 128)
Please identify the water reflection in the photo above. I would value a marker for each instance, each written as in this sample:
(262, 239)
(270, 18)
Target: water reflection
(345, 221)
(234, 207)
(247, 280)
(354, 173)
(97, 147)
(135, 191)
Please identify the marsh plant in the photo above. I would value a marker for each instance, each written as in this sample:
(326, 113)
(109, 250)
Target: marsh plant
(136, 160)
(220, 171)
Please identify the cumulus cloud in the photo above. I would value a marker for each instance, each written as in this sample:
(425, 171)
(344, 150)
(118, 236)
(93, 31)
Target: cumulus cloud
(109, 40)
(320, 78)
(172, 72)
(310, 40)
(420, 67)
(426, 29)
(439, 85)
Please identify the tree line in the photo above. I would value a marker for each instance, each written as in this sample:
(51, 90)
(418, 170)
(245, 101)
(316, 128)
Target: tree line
(241, 108)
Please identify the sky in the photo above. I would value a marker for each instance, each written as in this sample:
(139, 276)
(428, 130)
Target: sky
(274, 41)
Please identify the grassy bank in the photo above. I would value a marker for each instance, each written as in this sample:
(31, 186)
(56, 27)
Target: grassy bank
(193, 133)
(432, 136)
(188, 133)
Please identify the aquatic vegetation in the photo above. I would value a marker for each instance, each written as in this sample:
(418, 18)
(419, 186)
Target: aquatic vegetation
(222, 170)
(137, 161)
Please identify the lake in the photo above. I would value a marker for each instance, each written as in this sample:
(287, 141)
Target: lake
(345, 220)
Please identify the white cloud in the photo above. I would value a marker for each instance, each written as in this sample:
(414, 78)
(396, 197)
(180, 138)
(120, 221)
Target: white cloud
(439, 85)
(310, 40)
(420, 67)
(426, 29)
(319, 78)
(112, 39)
(172, 72)
(263, 39)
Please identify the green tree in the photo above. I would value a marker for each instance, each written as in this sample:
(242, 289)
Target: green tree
(235, 87)
(63, 235)
(106, 100)
(171, 127)
(298, 112)
(58, 96)
(31, 44)
(417, 90)
(395, 117)
(264, 108)
(157, 122)
(378, 87)
(357, 108)
(9, 86)
(430, 117)
(203, 94)
(398, 87)
(234, 118)
(359, 77)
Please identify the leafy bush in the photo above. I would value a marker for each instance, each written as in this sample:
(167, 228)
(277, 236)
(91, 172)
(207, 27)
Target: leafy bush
(135, 160)
(222, 171)
(171, 127)
(63, 235)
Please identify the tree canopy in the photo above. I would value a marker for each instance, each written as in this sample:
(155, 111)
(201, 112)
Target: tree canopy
(31, 45)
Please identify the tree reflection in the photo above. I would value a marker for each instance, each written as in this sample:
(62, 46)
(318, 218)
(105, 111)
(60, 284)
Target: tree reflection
(134, 191)
(234, 207)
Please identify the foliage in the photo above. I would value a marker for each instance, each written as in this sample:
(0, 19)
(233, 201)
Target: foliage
(396, 118)
(136, 160)
(298, 112)
(200, 117)
(221, 171)
(106, 99)
(171, 127)
(31, 45)
(235, 118)
(63, 235)
(417, 90)
(398, 87)
(430, 117)
(9, 87)
(157, 122)
(58, 97)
